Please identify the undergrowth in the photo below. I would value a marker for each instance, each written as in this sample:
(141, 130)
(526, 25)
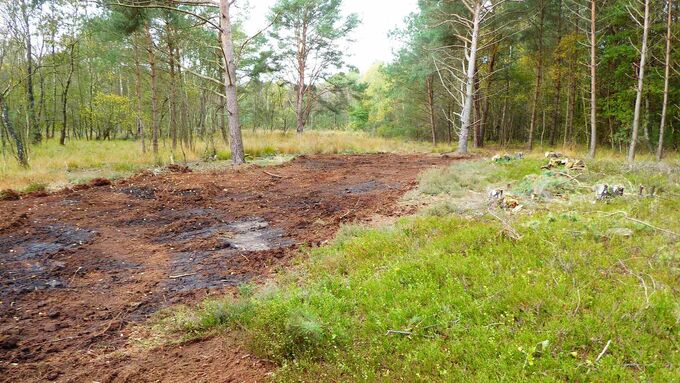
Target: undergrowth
(447, 298)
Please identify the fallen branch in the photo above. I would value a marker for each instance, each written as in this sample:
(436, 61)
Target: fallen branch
(604, 351)
(570, 177)
(625, 215)
(181, 276)
(396, 332)
(512, 233)
(272, 174)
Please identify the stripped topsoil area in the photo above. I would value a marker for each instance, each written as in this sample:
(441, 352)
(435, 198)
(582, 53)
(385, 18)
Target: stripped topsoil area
(78, 268)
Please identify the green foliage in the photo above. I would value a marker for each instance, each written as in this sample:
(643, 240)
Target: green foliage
(35, 187)
(451, 299)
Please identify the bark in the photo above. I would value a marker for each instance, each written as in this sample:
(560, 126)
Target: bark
(557, 101)
(154, 93)
(539, 77)
(667, 66)
(36, 135)
(430, 106)
(64, 94)
(477, 127)
(466, 113)
(231, 93)
(489, 80)
(301, 87)
(138, 91)
(640, 85)
(173, 88)
(571, 103)
(593, 81)
(21, 152)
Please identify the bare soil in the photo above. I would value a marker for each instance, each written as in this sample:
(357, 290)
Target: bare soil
(79, 268)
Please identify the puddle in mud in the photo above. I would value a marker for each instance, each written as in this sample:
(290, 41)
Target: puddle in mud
(216, 267)
(27, 260)
(364, 187)
(255, 235)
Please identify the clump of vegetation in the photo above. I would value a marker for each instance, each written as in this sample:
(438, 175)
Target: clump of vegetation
(9, 195)
(583, 293)
(35, 187)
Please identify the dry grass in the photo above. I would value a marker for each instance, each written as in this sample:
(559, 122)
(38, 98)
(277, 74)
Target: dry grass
(79, 161)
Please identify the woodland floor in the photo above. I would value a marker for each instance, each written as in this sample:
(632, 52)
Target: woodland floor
(80, 268)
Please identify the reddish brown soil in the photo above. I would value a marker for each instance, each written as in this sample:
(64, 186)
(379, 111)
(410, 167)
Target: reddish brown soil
(78, 268)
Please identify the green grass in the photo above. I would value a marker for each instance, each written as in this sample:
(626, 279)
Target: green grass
(472, 304)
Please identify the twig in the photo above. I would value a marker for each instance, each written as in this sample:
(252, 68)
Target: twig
(570, 177)
(507, 228)
(604, 351)
(181, 276)
(272, 174)
(625, 215)
(396, 332)
(70, 282)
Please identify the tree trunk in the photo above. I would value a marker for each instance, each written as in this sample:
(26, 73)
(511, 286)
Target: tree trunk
(301, 87)
(36, 135)
(539, 77)
(138, 91)
(173, 88)
(21, 152)
(489, 80)
(64, 95)
(154, 94)
(664, 108)
(477, 127)
(236, 140)
(430, 106)
(466, 113)
(640, 85)
(558, 83)
(593, 81)
(571, 102)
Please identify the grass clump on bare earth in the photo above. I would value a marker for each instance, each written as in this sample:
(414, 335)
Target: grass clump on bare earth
(448, 298)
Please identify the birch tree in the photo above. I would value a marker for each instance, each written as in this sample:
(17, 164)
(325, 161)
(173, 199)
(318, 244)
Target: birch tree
(644, 24)
(667, 73)
(458, 61)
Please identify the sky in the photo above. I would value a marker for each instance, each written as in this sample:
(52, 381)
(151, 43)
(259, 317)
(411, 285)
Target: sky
(372, 44)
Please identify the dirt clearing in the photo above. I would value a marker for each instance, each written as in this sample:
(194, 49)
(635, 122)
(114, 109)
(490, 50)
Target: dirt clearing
(79, 267)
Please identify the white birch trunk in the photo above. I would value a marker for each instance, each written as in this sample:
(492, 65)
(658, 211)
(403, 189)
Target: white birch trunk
(640, 85)
(664, 109)
(466, 113)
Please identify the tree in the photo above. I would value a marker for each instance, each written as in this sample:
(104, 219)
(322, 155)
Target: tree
(309, 33)
(465, 19)
(667, 73)
(640, 77)
(231, 94)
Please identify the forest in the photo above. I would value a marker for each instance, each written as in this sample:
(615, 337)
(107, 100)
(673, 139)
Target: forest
(552, 73)
(259, 191)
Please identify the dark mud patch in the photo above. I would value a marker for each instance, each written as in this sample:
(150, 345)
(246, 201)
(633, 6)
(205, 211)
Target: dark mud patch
(211, 254)
(29, 261)
(139, 192)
